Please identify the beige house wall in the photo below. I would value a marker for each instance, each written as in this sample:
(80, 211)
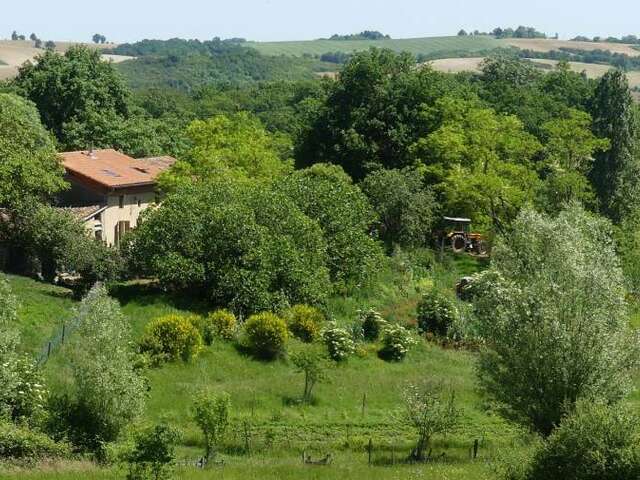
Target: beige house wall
(133, 205)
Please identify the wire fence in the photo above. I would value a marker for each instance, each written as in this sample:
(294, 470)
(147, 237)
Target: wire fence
(57, 340)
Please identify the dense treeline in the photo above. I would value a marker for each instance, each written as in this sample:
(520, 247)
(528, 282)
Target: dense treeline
(628, 39)
(365, 35)
(509, 32)
(190, 64)
(604, 57)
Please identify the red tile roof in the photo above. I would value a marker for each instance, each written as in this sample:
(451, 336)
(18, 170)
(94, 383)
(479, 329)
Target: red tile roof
(112, 169)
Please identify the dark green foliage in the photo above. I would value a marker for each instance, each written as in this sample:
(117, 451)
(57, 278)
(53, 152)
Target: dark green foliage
(366, 35)
(235, 243)
(520, 32)
(58, 242)
(153, 454)
(74, 88)
(597, 442)
(327, 195)
(371, 115)
(616, 171)
(436, 313)
(405, 207)
(372, 324)
(189, 64)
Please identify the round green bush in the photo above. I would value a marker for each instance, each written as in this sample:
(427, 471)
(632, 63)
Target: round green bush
(21, 443)
(220, 324)
(172, 337)
(266, 335)
(304, 322)
(396, 342)
(436, 313)
(372, 324)
(597, 442)
(339, 343)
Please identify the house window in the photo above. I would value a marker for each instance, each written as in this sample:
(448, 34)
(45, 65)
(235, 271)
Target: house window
(121, 201)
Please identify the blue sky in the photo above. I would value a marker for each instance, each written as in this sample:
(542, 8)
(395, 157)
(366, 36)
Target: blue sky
(128, 20)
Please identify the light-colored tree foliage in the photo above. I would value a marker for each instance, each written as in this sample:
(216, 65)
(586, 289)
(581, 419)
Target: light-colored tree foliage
(211, 413)
(237, 143)
(552, 311)
(569, 149)
(312, 363)
(482, 162)
(108, 390)
(430, 410)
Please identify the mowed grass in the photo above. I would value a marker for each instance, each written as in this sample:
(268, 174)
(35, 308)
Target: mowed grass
(426, 46)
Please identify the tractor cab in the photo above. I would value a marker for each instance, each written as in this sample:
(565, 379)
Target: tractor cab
(459, 236)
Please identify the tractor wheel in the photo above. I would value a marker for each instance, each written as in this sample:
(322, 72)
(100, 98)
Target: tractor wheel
(481, 247)
(458, 244)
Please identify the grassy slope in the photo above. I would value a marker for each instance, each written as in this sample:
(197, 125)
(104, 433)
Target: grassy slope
(428, 45)
(262, 394)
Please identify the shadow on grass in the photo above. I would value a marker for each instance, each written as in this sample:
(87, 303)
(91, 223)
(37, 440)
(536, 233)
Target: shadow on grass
(146, 294)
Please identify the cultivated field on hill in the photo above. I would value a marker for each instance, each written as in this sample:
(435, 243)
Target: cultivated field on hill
(593, 70)
(547, 45)
(417, 46)
(433, 45)
(15, 53)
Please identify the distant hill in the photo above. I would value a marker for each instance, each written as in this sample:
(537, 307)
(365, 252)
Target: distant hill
(13, 53)
(436, 47)
(189, 64)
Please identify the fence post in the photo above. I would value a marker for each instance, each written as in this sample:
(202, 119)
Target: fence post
(476, 445)
(370, 449)
(48, 349)
(364, 402)
(64, 328)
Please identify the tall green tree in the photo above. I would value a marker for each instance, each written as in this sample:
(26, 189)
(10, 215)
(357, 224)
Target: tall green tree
(327, 195)
(371, 115)
(480, 163)
(616, 172)
(235, 242)
(405, 207)
(75, 88)
(552, 310)
(30, 169)
(569, 149)
(236, 144)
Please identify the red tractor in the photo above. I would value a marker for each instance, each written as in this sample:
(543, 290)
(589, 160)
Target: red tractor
(458, 234)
